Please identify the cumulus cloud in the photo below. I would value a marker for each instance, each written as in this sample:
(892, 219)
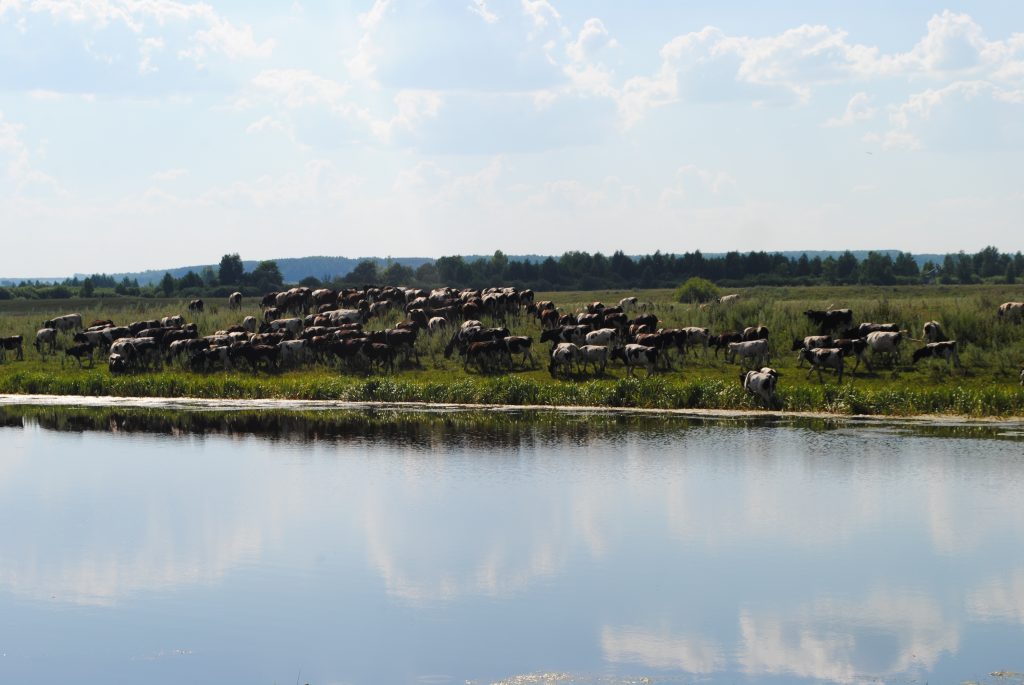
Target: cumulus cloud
(857, 109)
(479, 8)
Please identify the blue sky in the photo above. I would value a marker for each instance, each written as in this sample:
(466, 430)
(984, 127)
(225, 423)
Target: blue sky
(151, 133)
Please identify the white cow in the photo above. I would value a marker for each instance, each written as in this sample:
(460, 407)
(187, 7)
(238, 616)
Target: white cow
(294, 326)
(824, 357)
(293, 352)
(729, 299)
(753, 350)
(249, 323)
(885, 342)
(46, 338)
(437, 324)
(602, 336)
(628, 304)
(933, 332)
(596, 355)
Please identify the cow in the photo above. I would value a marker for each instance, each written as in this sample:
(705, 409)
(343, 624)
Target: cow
(628, 304)
(195, 306)
(548, 318)
(933, 332)
(824, 357)
(755, 333)
(728, 299)
(292, 352)
(605, 337)
(722, 340)
(755, 350)
(12, 343)
(520, 344)
(853, 347)
(79, 351)
(829, 320)
(1011, 311)
(254, 354)
(761, 384)
(862, 330)
(117, 363)
(945, 349)
(694, 338)
(562, 357)
(885, 342)
(487, 355)
(293, 326)
(809, 343)
(63, 324)
(633, 355)
(46, 339)
(436, 324)
(235, 300)
(596, 355)
(249, 324)
(380, 354)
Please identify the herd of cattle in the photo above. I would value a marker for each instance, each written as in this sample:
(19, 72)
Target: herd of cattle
(303, 326)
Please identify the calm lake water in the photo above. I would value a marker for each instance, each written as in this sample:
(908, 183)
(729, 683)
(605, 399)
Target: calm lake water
(513, 551)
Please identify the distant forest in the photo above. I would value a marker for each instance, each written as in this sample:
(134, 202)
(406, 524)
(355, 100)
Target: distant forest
(571, 271)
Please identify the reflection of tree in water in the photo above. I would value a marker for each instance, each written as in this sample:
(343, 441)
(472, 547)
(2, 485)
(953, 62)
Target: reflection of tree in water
(424, 429)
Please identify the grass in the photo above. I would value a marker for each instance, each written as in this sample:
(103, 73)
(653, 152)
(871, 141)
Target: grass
(992, 352)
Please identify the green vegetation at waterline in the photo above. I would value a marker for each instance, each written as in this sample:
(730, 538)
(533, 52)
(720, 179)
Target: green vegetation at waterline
(992, 352)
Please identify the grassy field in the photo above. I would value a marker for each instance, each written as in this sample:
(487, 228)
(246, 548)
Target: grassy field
(992, 352)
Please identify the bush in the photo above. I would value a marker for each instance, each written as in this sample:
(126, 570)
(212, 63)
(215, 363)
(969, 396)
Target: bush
(697, 290)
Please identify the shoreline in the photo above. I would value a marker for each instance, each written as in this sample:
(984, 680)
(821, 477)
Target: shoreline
(228, 405)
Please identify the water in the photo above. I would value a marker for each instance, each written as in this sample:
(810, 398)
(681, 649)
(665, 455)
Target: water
(454, 550)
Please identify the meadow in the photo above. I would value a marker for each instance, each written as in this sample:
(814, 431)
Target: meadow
(992, 352)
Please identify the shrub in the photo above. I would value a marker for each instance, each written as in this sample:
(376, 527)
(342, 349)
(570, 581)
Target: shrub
(697, 290)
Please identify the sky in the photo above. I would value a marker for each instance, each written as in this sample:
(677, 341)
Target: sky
(139, 134)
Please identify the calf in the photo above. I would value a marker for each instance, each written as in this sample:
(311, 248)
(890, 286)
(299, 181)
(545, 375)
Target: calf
(824, 357)
(755, 351)
(761, 384)
(79, 351)
(12, 343)
(196, 306)
(945, 349)
(634, 355)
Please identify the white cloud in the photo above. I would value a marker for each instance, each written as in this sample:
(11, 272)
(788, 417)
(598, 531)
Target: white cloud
(693, 184)
(857, 109)
(479, 8)
(295, 88)
(413, 106)
(20, 171)
(362, 64)
(170, 174)
(592, 38)
(540, 12)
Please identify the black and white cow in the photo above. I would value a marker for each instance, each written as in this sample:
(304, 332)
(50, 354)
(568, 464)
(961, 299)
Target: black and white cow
(563, 355)
(593, 355)
(824, 357)
(945, 349)
(761, 384)
(887, 343)
(811, 342)
(633, 355)
(235, 300)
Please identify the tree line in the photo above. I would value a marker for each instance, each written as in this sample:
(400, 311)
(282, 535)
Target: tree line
(570, 271)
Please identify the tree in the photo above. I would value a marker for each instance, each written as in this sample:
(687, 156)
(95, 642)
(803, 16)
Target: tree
(87, 288)
(397, 274)
(905, 265)
(1011, 273)
(697, 290)
(231, 270)
(877, 269)
(846, 267)
(190, 280)
(267, 276)
(167, 284)
(426, 274)
(364, 273)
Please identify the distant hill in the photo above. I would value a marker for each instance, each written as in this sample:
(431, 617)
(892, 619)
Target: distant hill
(295, 269)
